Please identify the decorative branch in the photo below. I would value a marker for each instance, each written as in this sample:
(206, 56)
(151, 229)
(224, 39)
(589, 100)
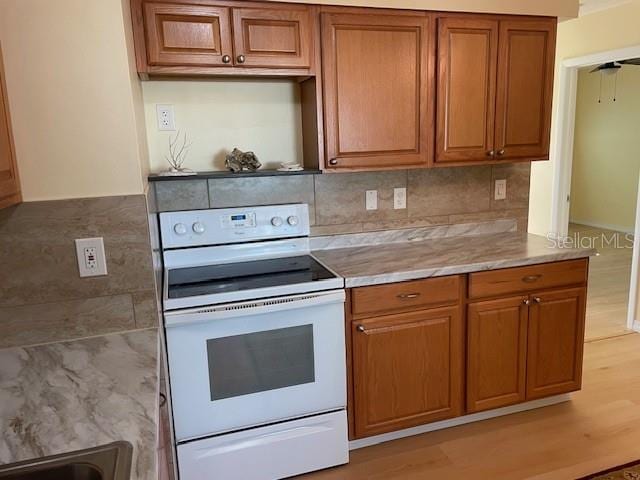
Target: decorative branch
(178, 153)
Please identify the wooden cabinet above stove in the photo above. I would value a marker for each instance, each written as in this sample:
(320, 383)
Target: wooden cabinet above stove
(182, 38)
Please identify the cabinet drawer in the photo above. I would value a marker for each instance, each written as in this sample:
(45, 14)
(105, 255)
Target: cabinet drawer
(523, 279)
(404, 296)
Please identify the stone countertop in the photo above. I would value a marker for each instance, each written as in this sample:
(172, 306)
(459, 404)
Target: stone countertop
(396, 262)
(67, 396)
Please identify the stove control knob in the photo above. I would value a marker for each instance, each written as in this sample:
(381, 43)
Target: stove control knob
(180, 228)
(292, 220)
(198, 228)
(276, 221)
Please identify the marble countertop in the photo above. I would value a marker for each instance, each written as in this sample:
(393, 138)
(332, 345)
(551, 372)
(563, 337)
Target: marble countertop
(67, 396)
(395, 262)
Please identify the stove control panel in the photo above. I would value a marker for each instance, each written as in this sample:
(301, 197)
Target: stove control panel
(233, 225)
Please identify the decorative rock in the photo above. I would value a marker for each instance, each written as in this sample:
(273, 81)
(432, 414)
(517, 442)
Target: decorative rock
(238, 161)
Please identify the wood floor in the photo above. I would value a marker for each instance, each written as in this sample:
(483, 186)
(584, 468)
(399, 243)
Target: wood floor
(608, 292)
(599, 428)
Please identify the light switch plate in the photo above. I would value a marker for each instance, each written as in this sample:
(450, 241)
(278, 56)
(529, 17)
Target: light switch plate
(399, 198)
(371, 197)
(500, 191)
(91, 258)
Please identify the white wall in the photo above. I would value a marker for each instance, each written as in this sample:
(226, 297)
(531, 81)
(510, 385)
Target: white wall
(72, 98)
(262, 116)
(552, 8)
(606, 30)
(606, 155)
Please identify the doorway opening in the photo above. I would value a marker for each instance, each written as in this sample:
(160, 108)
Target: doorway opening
(597, 173)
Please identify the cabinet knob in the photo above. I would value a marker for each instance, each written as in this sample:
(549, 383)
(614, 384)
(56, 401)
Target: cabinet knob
(501, 152)
(537, 299)
(333, 161)
(491, 153)
(360, 328)
(226, 59)
(526, 301)
(241, 58)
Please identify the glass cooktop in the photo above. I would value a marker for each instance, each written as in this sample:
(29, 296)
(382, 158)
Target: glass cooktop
(231, 277)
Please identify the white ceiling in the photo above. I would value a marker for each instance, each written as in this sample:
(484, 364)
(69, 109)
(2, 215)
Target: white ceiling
(592, 6)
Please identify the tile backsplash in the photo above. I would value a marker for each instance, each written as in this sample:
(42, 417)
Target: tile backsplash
(48, 301)
(437, 196)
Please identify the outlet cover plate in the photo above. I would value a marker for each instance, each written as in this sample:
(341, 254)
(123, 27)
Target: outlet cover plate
(500, 189)
(371, 199)
(399, 198)
(91, 257)
(166, 117)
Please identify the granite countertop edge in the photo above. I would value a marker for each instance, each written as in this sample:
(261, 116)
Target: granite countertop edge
(406, 275)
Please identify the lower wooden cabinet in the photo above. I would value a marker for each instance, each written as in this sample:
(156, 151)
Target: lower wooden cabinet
(524, 348)
(414, 357)
(555, 344)
(407, 369)
(496, 353)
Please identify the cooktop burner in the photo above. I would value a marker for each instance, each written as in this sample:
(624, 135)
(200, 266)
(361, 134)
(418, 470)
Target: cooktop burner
(231, 277)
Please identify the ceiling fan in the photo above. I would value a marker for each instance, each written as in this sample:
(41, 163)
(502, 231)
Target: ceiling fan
(613, 67)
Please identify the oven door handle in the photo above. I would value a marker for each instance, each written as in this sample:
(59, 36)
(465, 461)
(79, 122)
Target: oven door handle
(254, 307)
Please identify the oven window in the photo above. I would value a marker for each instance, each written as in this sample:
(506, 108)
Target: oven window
(256, 362)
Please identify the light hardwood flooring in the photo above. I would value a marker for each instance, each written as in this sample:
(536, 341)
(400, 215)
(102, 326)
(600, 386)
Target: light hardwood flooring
(598, 429)
(609, 276)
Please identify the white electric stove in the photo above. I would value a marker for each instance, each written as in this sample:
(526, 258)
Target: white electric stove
(255, 344)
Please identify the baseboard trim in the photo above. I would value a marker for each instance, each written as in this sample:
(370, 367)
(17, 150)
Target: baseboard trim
(636, 326)
(454, 422)
(605, 226)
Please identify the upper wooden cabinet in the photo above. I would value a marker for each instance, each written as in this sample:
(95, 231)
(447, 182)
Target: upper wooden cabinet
(278, 38)
(187, 35)
(9, 182)
(378, 80)
(525, 88)
(467, 62)
(182, 38)
(495, 80)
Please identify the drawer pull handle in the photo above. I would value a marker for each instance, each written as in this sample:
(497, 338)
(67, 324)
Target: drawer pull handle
(531, 278)
(408, 296)
(360, 328)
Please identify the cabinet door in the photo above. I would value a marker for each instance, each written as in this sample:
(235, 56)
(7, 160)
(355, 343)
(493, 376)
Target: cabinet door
(272, 37)
(496, 353)
(9, 183)
(524, 92)
(467, 59)
(407, 370)
(377, 81)
(556, 339)
(187, 35)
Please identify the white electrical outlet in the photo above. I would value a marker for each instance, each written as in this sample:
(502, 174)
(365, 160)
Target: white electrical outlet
(500, 191)
(371, 197)
(91, 258)
(166, 117)
(399, 198)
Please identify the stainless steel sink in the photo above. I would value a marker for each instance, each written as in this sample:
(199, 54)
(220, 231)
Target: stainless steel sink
(107, 462)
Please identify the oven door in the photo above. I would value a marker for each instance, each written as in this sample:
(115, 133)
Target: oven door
(244, 364)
